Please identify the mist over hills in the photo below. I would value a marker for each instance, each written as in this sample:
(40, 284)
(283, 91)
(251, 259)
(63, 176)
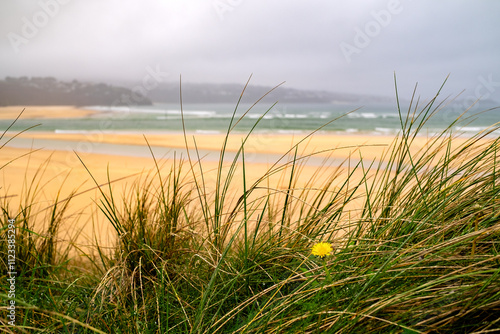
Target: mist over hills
(50, 91)
(26, 91)
(169, 92)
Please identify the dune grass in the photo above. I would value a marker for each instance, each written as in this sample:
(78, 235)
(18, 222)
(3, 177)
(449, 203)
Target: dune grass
(415, 247)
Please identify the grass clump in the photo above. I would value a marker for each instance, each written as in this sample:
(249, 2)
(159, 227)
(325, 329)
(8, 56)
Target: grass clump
(410, 247)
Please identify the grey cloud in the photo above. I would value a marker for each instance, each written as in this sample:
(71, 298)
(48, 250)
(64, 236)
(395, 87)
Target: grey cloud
(225, 41)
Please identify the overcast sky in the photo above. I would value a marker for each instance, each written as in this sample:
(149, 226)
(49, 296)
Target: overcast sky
(344, 46)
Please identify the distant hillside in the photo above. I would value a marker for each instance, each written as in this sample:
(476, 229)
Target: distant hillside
(168, 92)
(229, 93)
(49, 91)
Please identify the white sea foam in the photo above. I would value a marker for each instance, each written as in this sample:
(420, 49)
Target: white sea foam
(274, 116)
(196, 113)
(139, 110)
(390, 115)
(471, 128)
(291, 116)
(385, 130)
(371, 115)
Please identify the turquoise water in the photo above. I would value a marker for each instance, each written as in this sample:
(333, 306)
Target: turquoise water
(297, 118)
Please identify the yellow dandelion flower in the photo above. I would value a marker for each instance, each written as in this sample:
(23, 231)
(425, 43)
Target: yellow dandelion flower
(322, 249)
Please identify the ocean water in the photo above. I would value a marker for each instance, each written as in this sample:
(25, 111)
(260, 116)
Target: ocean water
(281, 118)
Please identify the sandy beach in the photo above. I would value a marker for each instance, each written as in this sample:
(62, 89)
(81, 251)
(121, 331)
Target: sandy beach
(48, 162)
(43, 112)
(55, 174)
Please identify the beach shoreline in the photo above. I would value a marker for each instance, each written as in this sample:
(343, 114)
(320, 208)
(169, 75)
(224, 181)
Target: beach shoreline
(52, 160)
